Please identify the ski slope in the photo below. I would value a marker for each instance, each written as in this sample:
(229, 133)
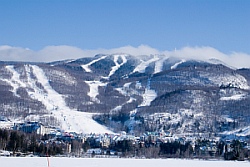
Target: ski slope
(233, 97)
(144, 64)
(148, 96)
(176, 64)
(86, 66)
(117, 65)
(159, 64)
(93, 89)
(239, 132)
(14, 81)
(70, 119)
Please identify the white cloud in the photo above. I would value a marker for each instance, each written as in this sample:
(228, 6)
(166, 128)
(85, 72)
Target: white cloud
(235, 59)
(62, 52)
(8, 53)
(55, 53)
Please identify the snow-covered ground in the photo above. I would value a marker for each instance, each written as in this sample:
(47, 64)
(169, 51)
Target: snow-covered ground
(14, 81)
(70, 119)
(6, 124)
(159, 64)
(144, 64)
(113, 162)
(234, 97)
(86, 66)
(239, 132)
(149, 95)
(226, 79)
(176, 64)
(117, 65)
(93, 89)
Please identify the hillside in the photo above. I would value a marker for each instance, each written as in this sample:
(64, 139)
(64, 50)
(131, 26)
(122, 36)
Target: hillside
(124, 92)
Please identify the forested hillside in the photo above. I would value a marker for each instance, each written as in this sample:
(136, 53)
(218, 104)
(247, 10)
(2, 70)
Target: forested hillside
(124, 92)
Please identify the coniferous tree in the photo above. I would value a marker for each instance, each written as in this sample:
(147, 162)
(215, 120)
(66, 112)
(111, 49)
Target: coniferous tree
(14, 142)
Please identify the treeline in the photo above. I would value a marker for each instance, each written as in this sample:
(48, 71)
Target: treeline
(20, 143)
(202, 149)
(23, 143)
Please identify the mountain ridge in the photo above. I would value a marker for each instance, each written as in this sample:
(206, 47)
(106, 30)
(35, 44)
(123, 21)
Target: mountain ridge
(125, 91)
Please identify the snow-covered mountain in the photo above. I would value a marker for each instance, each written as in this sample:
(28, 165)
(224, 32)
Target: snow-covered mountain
(122, 92)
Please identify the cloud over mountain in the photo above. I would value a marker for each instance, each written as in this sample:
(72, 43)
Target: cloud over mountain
(62, 52)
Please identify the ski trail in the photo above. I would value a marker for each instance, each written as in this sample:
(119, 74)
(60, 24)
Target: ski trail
(144, 64)
(176, 64)
(149, 95)
(159, 65)
(117, 65)
(70, 120)
(234, 97)
(94, 85)
(15, 80)
(86, 66)
(93, 89)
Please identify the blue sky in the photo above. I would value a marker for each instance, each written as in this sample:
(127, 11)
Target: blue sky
(94, 24)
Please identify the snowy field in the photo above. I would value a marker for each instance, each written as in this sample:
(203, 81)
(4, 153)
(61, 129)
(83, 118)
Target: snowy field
(109, 162)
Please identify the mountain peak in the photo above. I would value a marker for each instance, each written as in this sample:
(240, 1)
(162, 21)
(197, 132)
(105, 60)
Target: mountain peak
(122, 91)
